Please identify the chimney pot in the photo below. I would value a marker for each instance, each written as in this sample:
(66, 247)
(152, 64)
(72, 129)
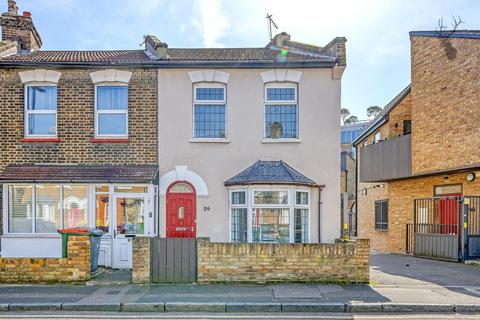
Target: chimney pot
(12, 7)
(27, 14)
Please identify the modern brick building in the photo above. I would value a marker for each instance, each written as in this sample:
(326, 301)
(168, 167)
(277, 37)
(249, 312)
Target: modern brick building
(423, 146)
(239, 145)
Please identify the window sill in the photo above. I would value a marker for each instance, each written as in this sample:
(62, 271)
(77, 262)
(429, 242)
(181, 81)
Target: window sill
(105, 140)
(209, 140)
(281, 140)
(381, 230)
(40, 140)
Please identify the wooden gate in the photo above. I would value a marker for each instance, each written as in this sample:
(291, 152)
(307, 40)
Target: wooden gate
(173, 260)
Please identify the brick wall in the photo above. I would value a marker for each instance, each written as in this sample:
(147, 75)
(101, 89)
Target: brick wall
(445, 97)
(75, 268)
(75, 122)
(382, 240)
(141, 260)
(401, 195)
(266, 262)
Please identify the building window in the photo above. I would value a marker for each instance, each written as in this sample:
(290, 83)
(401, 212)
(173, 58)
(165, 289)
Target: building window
(407, 127)
(111, 111)
(41, 111)
(377, 137)
(381, 215)
(209, 111)
(301, 217)
(238, 214)
(271, 216)
(348, 137)
(281, 111)
(45, 208)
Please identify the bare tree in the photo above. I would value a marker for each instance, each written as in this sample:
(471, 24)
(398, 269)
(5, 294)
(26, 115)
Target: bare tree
(344, 113)
(351, 120)
(373, 111)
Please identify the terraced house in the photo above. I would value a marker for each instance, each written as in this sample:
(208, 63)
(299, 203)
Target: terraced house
(236, 145)
(419, 159)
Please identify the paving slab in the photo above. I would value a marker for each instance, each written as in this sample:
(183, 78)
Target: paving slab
(296, 291)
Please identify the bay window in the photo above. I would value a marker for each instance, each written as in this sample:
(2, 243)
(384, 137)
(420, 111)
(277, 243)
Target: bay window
(270, 215)
(209, 111)
(41, 111)
(45, 208)
(238, 214)
(281, 111)
(111, 111)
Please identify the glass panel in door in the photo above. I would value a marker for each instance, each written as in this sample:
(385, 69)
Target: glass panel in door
(130, 216)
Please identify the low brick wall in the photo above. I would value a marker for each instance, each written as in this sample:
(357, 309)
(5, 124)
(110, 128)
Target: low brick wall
(141, 260)
(343, 262)
(75, 268)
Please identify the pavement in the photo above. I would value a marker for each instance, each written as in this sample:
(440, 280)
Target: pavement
(398, 284)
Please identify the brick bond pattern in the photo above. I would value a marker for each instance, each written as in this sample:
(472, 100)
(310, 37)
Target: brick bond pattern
(141, 260)
(443, 109)
(380, 239)
(445, 99)
(75, 268)
(265, 262)
(75, 124)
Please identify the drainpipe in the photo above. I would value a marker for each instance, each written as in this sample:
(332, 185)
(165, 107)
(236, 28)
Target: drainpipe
(356, 190)
(320, 188)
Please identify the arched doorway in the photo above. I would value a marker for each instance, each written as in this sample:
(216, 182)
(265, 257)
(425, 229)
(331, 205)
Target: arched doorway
(181, 210)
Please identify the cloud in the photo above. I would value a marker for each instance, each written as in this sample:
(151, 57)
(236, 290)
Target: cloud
(214, 22)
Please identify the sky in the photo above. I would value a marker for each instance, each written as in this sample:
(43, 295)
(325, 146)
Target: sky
(378, 44)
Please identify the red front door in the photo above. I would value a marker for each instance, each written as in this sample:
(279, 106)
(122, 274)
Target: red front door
(181, 215)
(449, 213)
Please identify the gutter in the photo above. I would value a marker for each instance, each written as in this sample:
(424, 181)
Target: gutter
(177, 65)
(370, 129)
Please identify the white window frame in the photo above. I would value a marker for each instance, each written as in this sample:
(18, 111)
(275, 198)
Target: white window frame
(232, 206)
(29, 112)
(97, 112)
(377, 137)
(150, 220)
(209, 102)
(266, 102)
(6, 206)
(303, 206)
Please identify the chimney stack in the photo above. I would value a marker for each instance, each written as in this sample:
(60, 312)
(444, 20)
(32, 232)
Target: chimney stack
(19, 29)
(155, 47)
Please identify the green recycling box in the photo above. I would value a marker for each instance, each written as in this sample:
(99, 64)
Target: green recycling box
(95, 236)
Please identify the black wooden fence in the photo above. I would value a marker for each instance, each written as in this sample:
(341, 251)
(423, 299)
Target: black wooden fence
(173, 260)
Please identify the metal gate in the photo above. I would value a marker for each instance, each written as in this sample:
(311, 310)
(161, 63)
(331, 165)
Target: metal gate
(446, 228)
(471, 227)
(173, 260)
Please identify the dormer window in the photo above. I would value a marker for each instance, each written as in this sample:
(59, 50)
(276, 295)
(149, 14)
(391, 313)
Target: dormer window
(41, 110)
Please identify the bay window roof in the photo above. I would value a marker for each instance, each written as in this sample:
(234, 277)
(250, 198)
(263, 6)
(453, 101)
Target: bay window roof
(80, 173)
(270, 172)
